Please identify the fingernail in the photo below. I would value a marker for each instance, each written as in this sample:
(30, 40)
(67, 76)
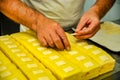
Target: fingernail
(76, 30)
(74, 34)
(68, 48)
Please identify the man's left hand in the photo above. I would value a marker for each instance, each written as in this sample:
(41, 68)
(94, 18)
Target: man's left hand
(88, 25)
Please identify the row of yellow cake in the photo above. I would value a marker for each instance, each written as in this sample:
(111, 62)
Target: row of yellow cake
(44, 54)
(31, 67)
(82, 62)
(60, 66)
(92, 60)
(8, 71)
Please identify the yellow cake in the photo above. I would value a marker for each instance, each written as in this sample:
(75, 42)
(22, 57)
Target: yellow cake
(8, 71)
(30, 66)
(35, 62)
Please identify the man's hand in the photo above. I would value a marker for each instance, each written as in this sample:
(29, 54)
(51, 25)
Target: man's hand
(90, 21)
(51, 34)
(48, 31)
(88, 25)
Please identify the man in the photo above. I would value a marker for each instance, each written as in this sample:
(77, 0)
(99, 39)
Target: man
(48, 18)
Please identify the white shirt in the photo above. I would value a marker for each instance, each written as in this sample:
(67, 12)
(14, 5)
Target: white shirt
(66, 12)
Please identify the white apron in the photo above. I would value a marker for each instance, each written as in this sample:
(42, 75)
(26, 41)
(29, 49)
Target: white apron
(66, 12)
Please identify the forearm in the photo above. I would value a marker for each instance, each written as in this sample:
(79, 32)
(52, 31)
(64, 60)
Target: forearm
(101, 7)
(19, 12)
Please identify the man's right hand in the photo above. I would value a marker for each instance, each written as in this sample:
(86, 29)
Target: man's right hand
(48, 31)
(51, 34)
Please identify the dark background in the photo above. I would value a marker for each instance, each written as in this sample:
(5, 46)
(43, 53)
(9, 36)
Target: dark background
(7, 26)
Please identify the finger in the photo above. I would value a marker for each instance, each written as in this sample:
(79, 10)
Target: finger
(81, 24)
(57, 41)
(88, 35)
(90, 28)
(64, 39)
(42, 40)
(49, 40)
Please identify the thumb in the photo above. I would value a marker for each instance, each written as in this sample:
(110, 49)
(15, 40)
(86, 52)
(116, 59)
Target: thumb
(81, 25)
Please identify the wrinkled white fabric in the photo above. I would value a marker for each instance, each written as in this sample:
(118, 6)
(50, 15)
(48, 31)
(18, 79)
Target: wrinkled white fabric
(65, 12)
